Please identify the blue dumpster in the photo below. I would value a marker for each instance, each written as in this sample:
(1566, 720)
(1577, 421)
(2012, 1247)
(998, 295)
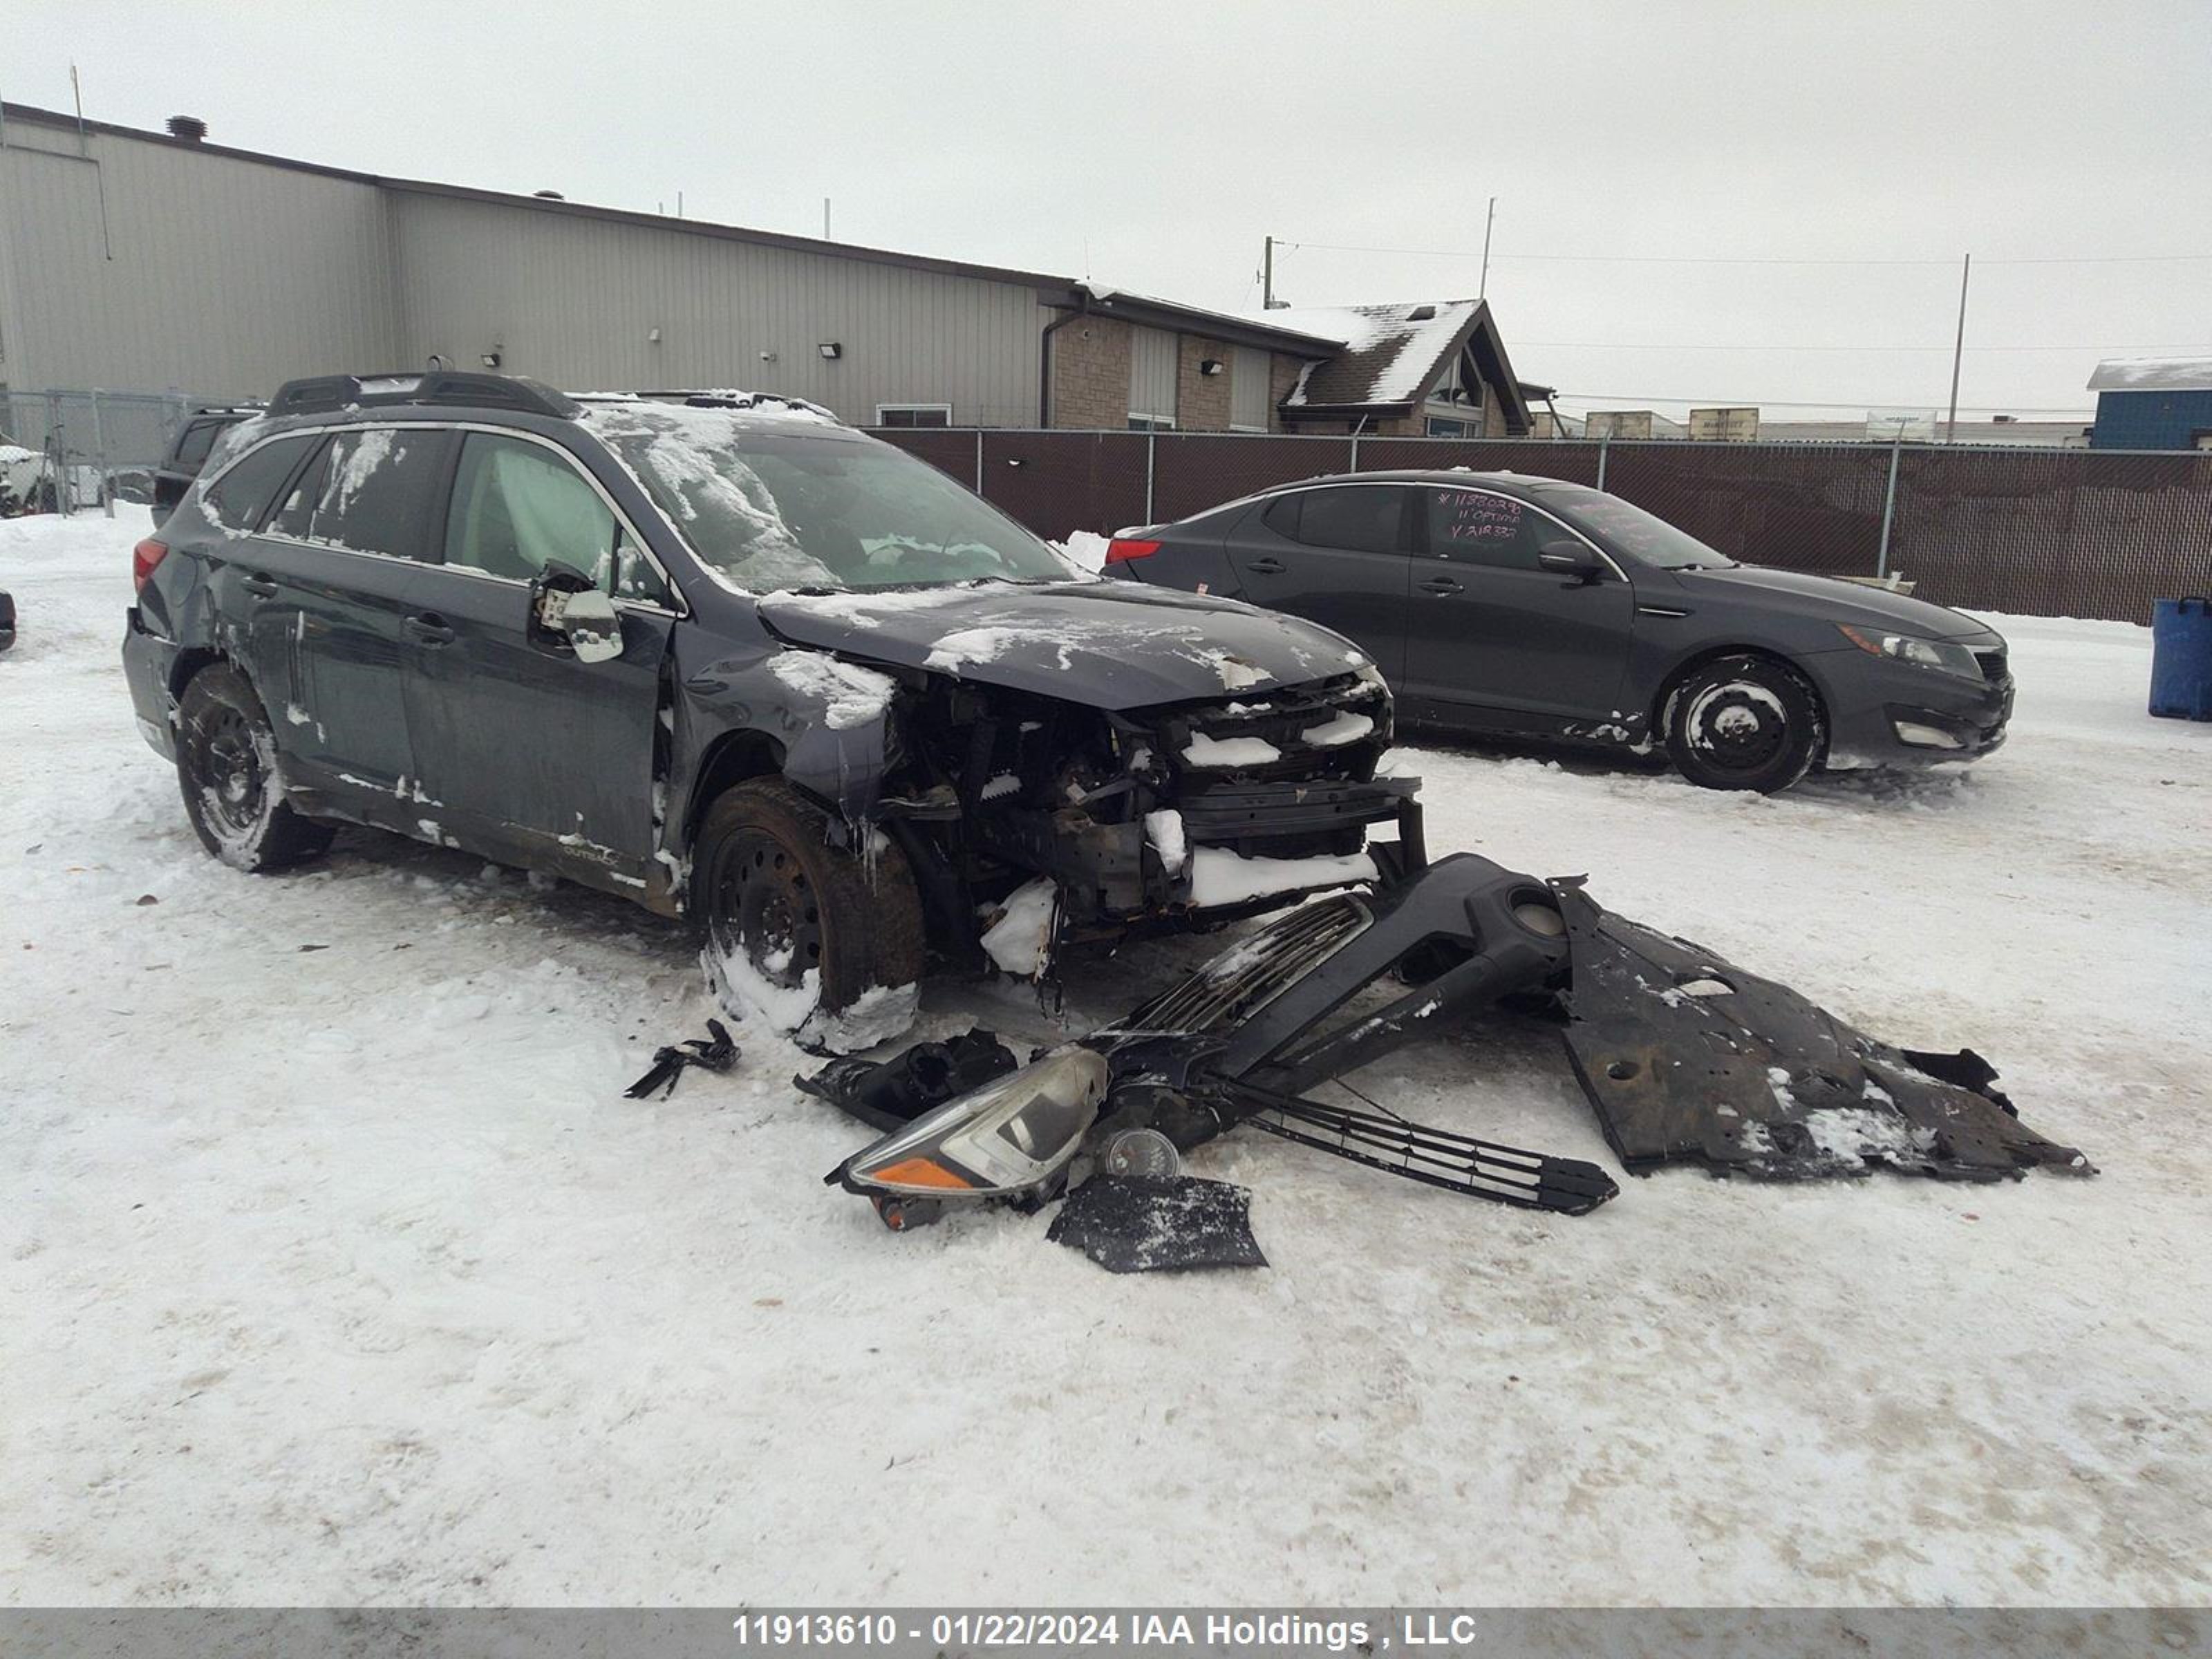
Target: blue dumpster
(2181, 660)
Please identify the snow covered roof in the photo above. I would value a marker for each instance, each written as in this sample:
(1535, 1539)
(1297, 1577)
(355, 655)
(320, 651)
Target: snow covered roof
(2153, 374)
(1392, 353)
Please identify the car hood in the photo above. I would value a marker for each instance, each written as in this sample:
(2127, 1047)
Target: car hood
(1833, 600)
(1109, 645)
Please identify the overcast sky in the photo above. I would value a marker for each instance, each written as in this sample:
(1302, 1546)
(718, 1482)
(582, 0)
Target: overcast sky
(1151, 147)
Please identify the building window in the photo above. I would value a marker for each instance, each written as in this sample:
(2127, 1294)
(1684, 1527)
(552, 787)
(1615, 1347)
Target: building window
(914, 414)
(1151, 422)
(1441, 427)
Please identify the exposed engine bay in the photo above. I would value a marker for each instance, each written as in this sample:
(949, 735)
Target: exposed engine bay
(1681, 1054)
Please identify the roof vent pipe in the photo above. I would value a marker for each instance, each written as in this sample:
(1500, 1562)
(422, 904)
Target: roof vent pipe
(190, 128)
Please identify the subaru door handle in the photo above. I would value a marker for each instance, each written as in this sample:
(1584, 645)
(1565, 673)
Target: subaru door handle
(1267, 566)
(430, 628)
(1440, 586)
(260, 587)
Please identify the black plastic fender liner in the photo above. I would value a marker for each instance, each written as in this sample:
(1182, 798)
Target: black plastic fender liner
(1684, 1055)
(1149, 1224)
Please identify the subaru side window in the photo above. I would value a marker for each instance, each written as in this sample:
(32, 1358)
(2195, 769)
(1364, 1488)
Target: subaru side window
(379, 494)
(298, 511)
(1473, 526)
(241, 499)
(1360, 518)
(519, 507)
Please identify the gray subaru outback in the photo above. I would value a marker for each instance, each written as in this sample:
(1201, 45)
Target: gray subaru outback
(726, 657)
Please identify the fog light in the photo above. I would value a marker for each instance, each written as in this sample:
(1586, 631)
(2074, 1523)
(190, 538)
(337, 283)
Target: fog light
(1924, 737)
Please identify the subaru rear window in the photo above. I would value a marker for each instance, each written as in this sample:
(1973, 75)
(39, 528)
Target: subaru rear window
(240, 499)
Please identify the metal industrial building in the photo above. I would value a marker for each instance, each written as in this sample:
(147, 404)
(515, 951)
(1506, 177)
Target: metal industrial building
(140, 261)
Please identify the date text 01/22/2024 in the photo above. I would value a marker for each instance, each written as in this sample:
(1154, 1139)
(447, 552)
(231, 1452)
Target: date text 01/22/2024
(1141, 1630)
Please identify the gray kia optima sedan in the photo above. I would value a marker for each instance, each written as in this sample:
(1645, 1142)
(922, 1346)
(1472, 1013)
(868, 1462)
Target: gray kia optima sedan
(1496, 603)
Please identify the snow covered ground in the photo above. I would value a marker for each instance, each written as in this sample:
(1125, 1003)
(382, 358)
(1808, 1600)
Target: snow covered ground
(336, 1269)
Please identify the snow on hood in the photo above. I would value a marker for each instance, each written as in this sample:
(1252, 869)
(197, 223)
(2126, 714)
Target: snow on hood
(1112, 645)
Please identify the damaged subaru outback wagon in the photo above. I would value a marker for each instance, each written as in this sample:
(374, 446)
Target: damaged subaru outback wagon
(725, 656)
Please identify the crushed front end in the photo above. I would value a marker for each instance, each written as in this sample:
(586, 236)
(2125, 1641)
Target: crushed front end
(1153, 817)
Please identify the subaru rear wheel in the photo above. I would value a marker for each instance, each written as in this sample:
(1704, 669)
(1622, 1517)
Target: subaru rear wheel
(227, 770)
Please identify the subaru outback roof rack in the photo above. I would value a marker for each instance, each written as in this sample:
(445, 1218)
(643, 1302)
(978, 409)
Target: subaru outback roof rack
(328, 392)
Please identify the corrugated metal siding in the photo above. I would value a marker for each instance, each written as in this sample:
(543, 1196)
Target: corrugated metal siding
(1151, 372)
(574, 300)
(1248, 388)
(207, 273)
(2150, 420)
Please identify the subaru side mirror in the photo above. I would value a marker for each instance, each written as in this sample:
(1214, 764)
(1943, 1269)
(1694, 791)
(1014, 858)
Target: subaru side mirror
(1570, 559)
(568, 614)
(593, 629)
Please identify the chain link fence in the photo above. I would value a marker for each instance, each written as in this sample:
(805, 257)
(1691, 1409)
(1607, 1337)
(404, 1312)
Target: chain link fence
(2054, 532)
(2099, 533)
(72, 451)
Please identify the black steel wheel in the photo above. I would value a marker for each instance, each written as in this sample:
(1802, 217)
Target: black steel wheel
(821, 943)
(1744, 722)
(226, 770)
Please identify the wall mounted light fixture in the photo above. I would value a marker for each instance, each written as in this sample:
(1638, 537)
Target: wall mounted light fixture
(490, 360)
(1209, 366)
(831, 349)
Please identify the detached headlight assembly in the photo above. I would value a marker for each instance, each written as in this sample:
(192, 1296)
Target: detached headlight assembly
(1938, 654)
(1007, 1140)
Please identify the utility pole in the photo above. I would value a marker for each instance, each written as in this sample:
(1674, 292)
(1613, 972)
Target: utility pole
(1267, 276)
(1958, 351)
(1483, 291)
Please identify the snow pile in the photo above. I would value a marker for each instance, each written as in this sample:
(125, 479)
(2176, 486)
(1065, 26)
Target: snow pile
(969, 645)
(1335, 734)
(851, 695)
(1020, 940)
(878, 1015)
(1086, 549)
(1208, 750)
(1164, 830)
(1220, 877)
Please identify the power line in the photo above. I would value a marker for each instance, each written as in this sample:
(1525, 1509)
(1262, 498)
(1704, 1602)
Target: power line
(1714, 259)
(1648, 345)
(1639, 400)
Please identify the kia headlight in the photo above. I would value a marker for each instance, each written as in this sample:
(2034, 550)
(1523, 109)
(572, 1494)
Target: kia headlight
(1939, 654)
(1010, 1137)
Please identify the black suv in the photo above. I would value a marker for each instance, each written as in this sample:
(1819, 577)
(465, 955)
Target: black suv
(725, 656)
(191, 446)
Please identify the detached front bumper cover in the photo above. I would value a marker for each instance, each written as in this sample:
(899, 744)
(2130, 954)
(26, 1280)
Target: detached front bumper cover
(1682, 1055)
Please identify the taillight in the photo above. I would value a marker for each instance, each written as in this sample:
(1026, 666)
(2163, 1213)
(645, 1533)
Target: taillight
(143, 557)
(1121, 549)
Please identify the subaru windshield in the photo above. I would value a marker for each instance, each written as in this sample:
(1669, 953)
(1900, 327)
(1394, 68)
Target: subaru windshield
(768, 508)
